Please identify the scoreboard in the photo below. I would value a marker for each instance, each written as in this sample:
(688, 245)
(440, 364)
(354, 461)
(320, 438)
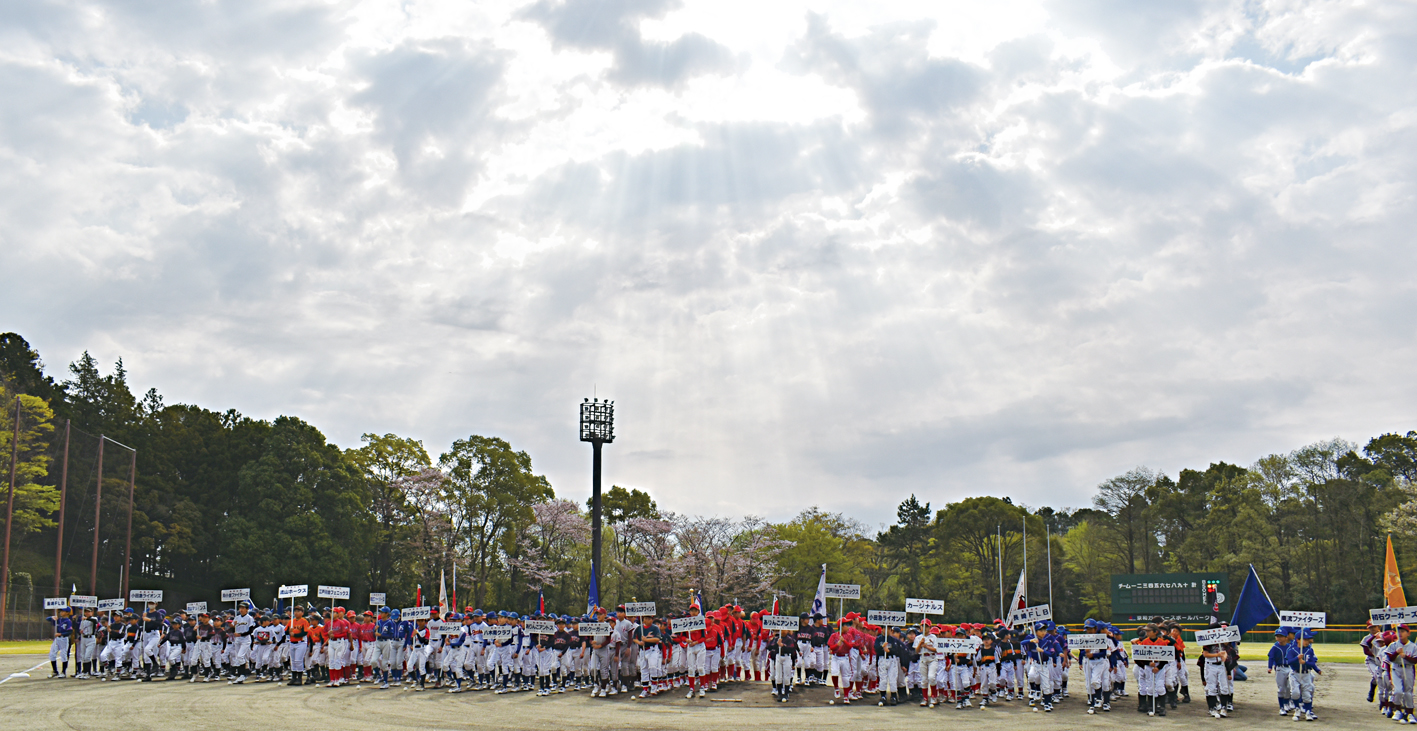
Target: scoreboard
(1184, 597)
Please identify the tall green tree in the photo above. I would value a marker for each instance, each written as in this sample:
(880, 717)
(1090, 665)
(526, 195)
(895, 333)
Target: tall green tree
(387, 461)
(301, 514)
(35, 501)
(491, 491)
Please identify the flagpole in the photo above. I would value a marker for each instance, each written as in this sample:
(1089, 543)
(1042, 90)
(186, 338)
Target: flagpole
(1048, 532)
(1025, 553)
(999, 554)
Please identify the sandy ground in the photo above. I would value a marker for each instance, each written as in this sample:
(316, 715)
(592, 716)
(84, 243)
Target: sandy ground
(39, 703)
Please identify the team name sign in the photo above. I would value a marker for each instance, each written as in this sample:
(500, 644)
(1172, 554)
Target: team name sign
(925, 606)
(639, 609)
(541, 626)
(145, 595)
(1217, 636)
(1303, 620)
(687, 624)
(235, 595)
(1089, 642)
(1029, 615)
(593, 629)
(886, 618)
(781, 622)
(1153, 653)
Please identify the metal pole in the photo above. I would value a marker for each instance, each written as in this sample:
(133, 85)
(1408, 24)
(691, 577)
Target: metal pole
(1025, 560)
(97, 503)
(63, 498)
(595, 521)
(128, 544)
(999, 554)
(1049, 533)
(9, 517)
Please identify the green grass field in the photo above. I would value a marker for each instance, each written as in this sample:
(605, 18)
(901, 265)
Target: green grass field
(1252, 652)
(32, 647)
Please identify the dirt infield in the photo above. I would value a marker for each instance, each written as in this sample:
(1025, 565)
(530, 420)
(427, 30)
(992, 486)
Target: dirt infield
(39, 703)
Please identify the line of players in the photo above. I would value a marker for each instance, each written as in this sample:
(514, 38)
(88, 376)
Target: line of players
(1391, 657)
(854, 656)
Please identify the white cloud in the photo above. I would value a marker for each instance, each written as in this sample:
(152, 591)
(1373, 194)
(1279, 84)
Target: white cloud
(820, 254)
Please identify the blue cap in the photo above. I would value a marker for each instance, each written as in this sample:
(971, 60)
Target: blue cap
(127, 610)
(393, 613)
(1309, 634)
(1279, 632)
(513, 615)
(477, 612)
(384, 610)
(1090, 623)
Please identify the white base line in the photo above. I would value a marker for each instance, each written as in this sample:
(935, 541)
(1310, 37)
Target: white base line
(12, 677)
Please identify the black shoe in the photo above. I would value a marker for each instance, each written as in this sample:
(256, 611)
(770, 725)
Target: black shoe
(1185, 695)
(1372, 688)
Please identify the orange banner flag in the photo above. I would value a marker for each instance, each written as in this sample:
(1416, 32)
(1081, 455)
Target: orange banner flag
(1392, 580)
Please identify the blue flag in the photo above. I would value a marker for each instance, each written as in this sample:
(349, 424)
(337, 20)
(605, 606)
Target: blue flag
(1253, 606)
(593, 598)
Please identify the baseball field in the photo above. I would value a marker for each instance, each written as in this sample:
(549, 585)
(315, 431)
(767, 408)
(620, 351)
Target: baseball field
(35, 703)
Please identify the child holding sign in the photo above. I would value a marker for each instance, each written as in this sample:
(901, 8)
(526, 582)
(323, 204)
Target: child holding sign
(59, 648)
(1303, 665)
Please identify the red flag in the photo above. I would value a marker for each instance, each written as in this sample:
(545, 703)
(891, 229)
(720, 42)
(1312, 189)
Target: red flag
(774, 605)
(418, 596)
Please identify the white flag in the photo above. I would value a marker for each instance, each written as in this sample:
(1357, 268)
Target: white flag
(442, 592)
(819, 604)
(1020, 599)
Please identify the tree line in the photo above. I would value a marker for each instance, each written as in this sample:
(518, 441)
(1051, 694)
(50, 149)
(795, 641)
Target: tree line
(223, 500)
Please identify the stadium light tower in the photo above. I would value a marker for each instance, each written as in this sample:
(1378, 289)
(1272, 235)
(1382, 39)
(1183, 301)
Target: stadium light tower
(598, 428)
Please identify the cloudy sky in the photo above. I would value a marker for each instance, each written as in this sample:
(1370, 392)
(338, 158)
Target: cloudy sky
(823, 253)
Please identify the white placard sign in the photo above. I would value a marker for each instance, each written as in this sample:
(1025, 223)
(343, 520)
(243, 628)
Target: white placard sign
(843, 591)
(1217, 636)
(235, 595)
(1303, 620)
(145, 595)
(376, 599)
(55, 603)
(85, 601)
(1029, 615)
(110, 605)
(687, 624)
(436, 627)
(780, 622)
(593, 629)
(497, 634)
(1394, 615)
(1153, 652)
(412, 613)
(956, 645)
(293, 591)
(1089, 642)
(925, 606)
(196, 607)
(886, 619)
(541, 626)
(332, 592)
(639, 609)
